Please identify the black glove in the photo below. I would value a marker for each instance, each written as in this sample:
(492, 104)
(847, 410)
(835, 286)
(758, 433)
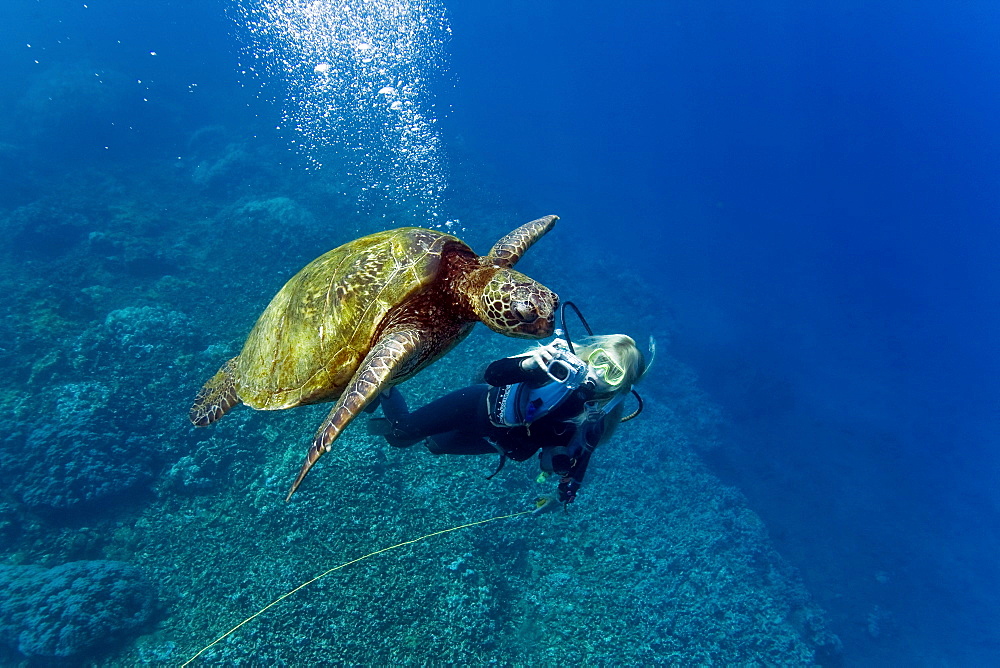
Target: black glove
(567, 489)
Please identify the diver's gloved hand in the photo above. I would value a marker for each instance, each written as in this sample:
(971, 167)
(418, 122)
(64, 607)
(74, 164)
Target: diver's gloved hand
(546, 504)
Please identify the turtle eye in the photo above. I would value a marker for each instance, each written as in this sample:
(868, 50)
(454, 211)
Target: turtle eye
(525, 312)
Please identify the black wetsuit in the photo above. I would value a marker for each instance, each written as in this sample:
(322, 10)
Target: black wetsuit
(459, 424)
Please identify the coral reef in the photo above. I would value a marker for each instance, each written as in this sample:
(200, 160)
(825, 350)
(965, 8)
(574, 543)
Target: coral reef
(76, 454)
(664, 563)
(142, 331)
(39, 231)
(62, 466)
(72, 609)
(80, 445)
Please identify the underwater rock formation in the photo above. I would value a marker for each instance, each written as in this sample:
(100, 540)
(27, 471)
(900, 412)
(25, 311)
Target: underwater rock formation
(139, 331)
(40, 231)
(68, 465)
(77, 454)
(71, 609)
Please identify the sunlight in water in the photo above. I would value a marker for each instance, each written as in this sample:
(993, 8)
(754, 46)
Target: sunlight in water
(353, 77)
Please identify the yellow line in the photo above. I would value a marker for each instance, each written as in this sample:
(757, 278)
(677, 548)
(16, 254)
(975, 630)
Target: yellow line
(335, 568)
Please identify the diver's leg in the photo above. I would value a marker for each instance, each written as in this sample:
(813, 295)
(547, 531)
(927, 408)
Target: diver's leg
(461, 410)
(458, 410)
(459, 443)
(393, 404)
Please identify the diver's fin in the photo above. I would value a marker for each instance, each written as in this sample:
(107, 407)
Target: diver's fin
(379, 427)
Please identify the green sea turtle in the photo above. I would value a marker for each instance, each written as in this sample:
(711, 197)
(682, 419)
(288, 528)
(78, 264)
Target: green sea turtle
(372, 313)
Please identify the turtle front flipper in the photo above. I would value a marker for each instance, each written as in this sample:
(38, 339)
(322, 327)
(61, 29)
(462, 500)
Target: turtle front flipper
(216, 397)
(507, 251)
(374, 375)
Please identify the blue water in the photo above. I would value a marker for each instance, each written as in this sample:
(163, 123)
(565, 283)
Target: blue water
(804, 198)
(815, 190)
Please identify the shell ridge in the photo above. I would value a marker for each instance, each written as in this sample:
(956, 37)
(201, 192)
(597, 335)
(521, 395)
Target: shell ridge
(401, 269)
(327, 314)
(378, 297)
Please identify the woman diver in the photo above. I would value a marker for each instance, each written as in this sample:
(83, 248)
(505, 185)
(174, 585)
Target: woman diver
(555, 399)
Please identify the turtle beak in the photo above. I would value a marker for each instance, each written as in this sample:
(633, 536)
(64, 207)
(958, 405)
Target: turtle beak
(536, 313)
(543, 328)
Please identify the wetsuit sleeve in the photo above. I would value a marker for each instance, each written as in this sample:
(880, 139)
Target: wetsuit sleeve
(508, 371)
(570, 483)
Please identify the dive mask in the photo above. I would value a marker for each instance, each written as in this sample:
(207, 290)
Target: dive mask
(606, 367)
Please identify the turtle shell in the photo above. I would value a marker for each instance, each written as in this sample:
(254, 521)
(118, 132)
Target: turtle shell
(310, 340)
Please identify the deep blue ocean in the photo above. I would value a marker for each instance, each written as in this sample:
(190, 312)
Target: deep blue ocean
(800, 201)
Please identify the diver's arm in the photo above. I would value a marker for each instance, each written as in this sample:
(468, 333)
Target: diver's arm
(570, 483)
(531, 367)
(509, 370)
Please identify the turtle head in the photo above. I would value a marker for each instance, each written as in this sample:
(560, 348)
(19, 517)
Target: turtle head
(512, 304)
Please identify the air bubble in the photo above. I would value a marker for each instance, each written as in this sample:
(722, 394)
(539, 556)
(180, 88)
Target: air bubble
(357, 45)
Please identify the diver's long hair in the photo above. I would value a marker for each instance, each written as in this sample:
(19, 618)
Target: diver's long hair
(623, 351)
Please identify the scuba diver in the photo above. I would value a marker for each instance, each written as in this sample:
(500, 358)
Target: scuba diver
(559, 400)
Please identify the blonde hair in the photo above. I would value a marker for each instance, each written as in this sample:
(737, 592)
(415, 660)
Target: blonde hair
(623, 351)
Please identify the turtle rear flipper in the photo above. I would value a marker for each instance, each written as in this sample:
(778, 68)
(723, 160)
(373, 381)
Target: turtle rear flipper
(216, 397)
(377, 369)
